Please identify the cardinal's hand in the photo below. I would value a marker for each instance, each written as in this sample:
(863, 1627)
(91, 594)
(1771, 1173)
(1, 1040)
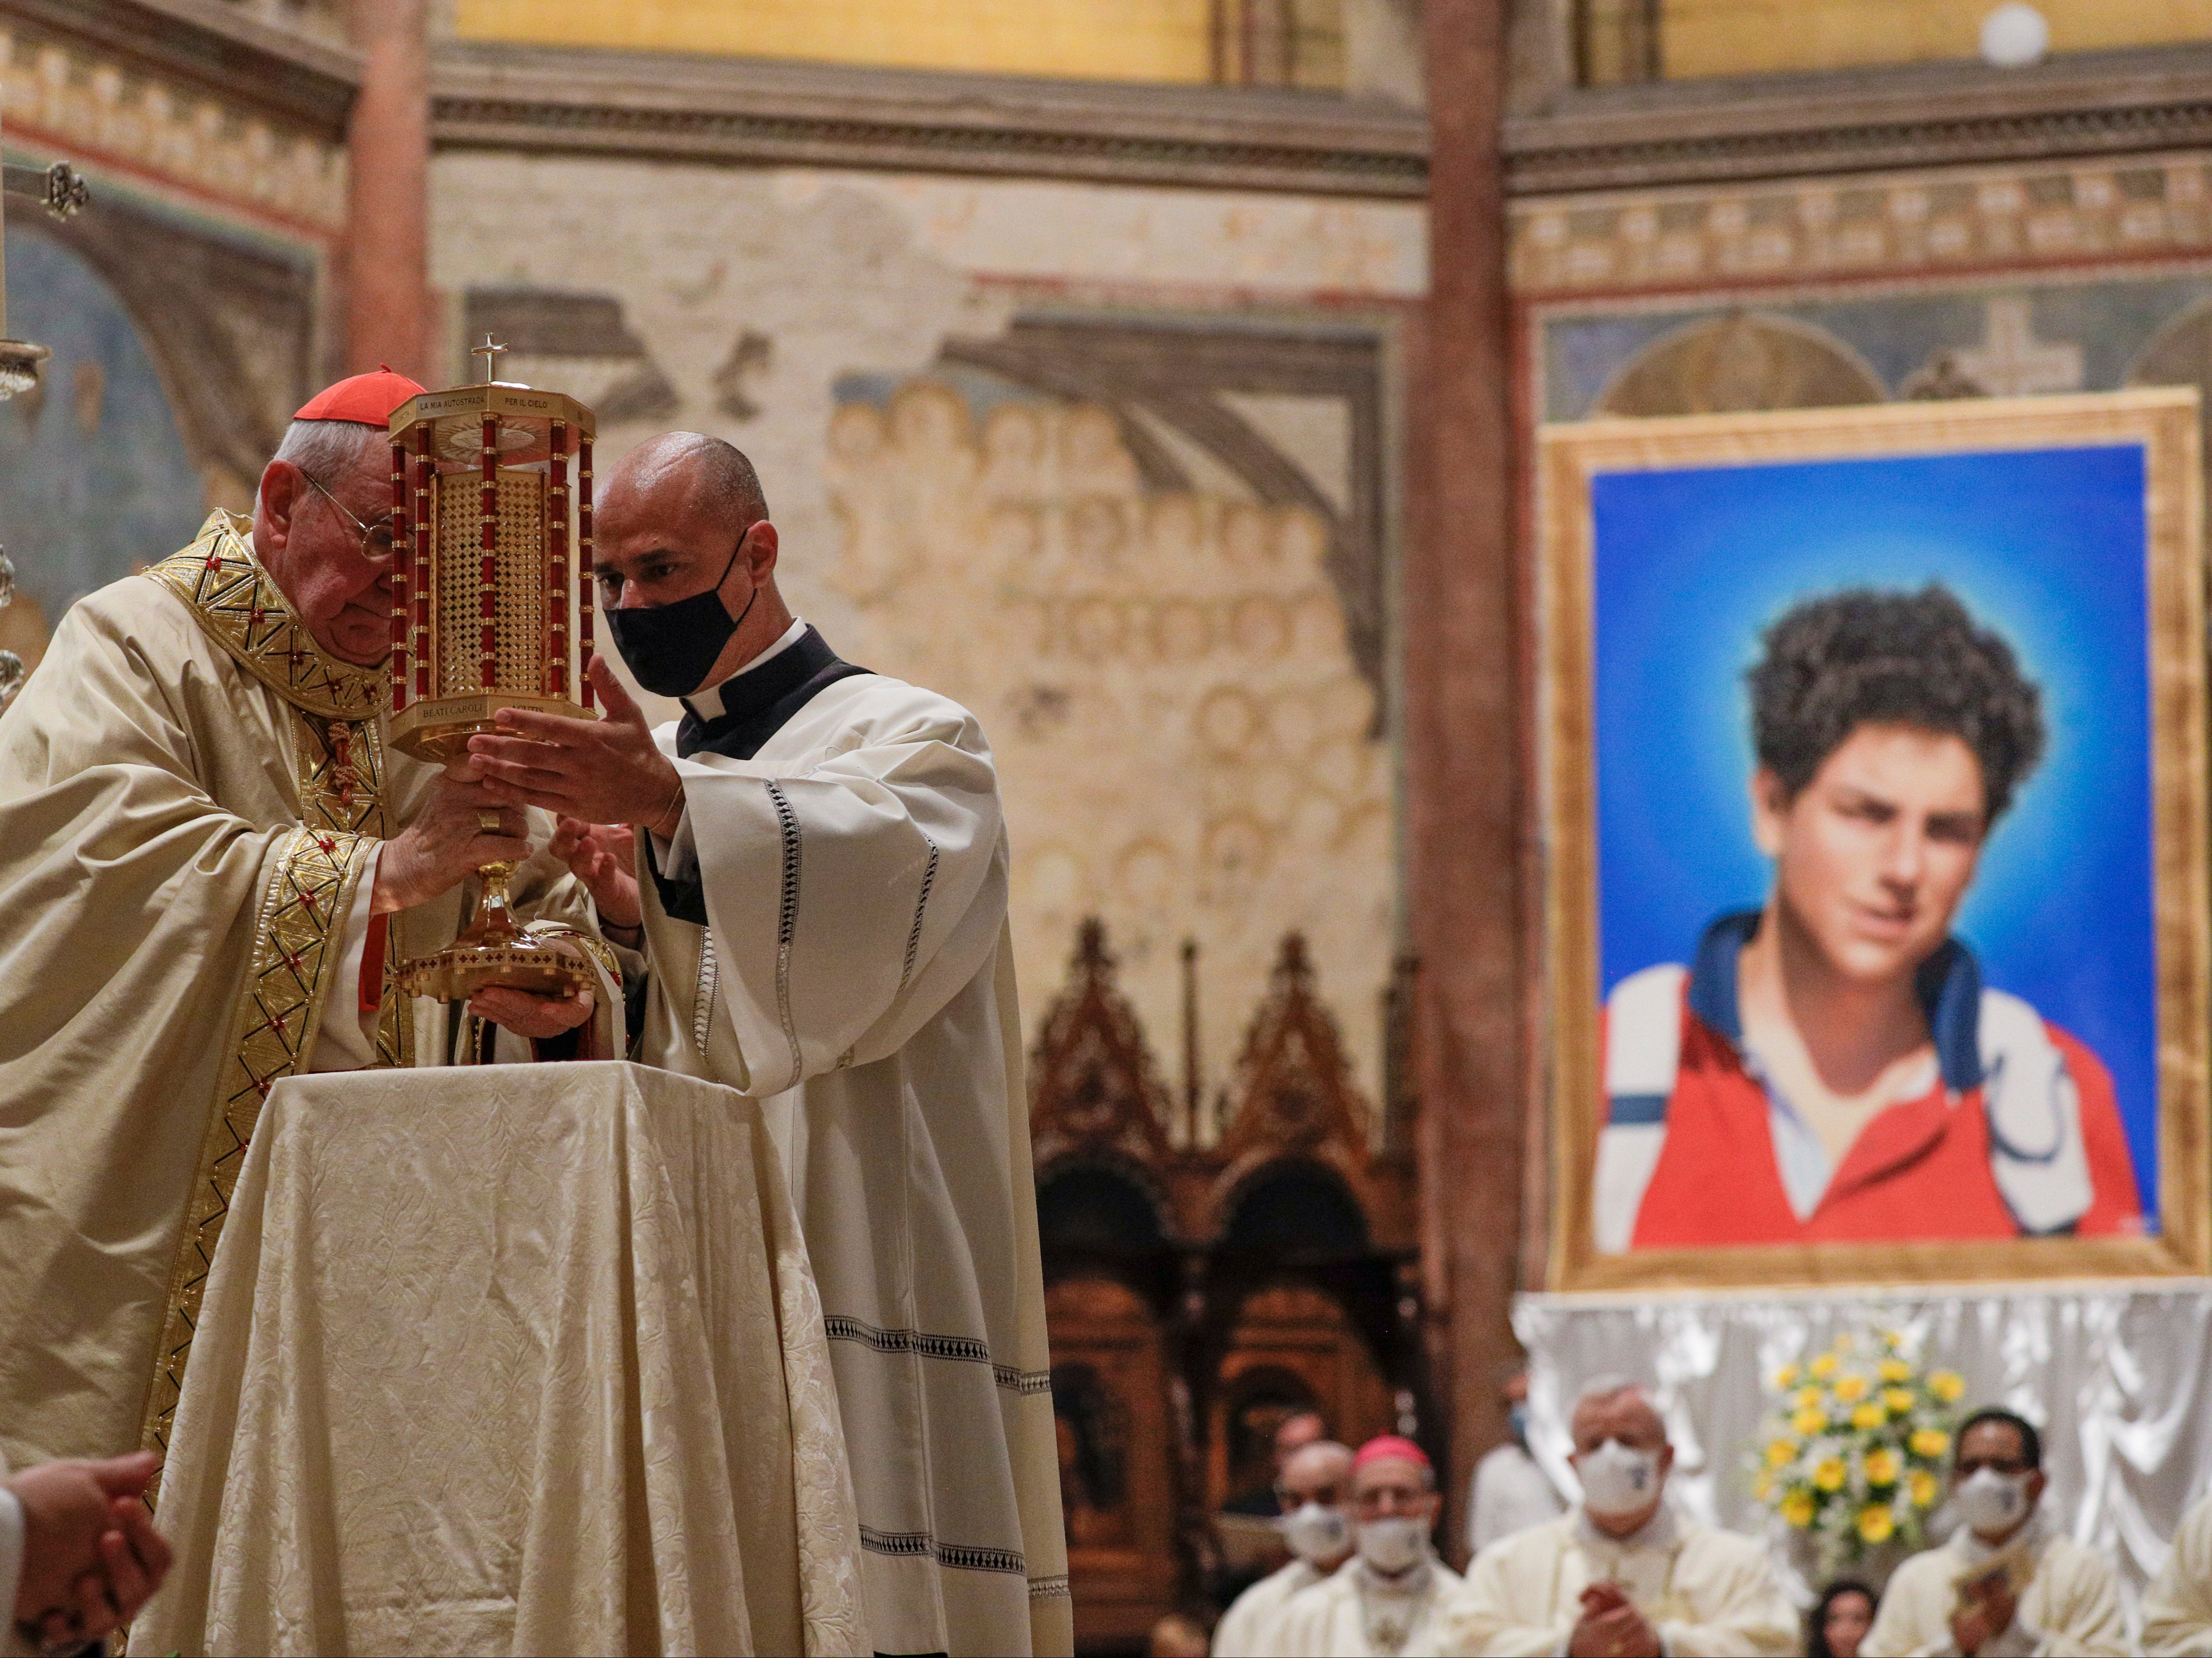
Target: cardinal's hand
(464, 826)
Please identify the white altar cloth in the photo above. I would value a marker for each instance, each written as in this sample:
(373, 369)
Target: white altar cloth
(2117, 1377)
(511, 1358)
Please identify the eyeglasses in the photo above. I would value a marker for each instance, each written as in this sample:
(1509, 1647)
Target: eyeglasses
(375, 538)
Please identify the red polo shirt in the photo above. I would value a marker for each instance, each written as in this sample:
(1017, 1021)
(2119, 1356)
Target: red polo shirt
(1920, 1170)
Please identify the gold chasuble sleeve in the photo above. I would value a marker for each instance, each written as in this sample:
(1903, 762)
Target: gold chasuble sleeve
(189, 792)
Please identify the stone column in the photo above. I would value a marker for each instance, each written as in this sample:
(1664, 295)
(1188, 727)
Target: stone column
(387, 277)
(1466, 727)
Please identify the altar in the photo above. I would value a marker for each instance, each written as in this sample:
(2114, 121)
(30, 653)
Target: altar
(509, 1358)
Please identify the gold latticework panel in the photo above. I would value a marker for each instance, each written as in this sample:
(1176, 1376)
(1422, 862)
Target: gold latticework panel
(520, 601)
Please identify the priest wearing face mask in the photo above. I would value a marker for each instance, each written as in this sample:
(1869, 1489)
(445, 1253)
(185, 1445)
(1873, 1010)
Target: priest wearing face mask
(2006, 1584)
(1624, 1576)
(818, 894)
(1381, 1603)
(1314, 1488)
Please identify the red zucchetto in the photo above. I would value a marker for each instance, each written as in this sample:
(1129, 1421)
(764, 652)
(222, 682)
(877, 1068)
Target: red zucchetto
(1390, 1446)
(366, 399)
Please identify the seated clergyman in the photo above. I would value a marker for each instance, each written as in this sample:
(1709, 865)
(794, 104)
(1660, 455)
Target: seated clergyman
(1383, 1602)
(1625, 1576)
(209, 854)
(1314, 1490)
(2177, 1605)
(2006, 1584)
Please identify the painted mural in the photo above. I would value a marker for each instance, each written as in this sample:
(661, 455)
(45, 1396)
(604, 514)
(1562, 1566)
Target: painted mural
(94, 479)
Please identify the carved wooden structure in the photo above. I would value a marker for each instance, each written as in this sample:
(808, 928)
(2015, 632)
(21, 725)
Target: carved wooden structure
(1197, 1295)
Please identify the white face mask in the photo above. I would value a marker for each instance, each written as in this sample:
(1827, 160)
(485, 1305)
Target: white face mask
(1618, 1480)
(1315, 1533)
(1394, 1543)
(1989, 1502)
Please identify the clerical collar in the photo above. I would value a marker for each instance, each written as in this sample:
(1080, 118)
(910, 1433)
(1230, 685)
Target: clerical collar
(1657, 1533)
(711, 704)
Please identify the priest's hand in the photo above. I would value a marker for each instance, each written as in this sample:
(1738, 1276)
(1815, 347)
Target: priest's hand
(91, 1555)
(1989, 1609)
(447, 843)
(1611, 1627)
(527, 1014)
(603, 857)
(602, 771)
(535, 1016)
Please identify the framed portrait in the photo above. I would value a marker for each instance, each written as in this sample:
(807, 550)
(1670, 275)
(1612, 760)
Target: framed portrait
(1873, 748)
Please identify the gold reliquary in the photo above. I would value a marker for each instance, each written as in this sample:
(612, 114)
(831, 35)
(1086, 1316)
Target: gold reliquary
(491, 508)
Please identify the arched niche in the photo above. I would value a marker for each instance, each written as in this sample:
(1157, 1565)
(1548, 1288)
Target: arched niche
(1119, 1491)
(1094, 1207)
(1742, 361)
(227, 318)
(1296, 1211)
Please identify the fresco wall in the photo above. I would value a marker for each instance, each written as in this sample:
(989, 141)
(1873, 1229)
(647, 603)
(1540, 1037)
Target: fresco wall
(99, 482)
(182, 309)
(1154, 560)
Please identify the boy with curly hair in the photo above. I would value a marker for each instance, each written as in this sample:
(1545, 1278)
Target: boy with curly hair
(1830, 1068)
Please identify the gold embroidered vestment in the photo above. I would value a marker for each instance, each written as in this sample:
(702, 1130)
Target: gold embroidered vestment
(190, 792)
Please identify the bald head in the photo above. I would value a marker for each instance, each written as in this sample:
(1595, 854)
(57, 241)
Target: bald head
(689, 472)
(1317, 1472)
(681, 514)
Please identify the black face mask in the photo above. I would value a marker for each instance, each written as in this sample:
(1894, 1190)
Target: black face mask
(673, 648)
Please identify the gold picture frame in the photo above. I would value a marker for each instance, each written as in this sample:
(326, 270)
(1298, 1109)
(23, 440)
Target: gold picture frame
(2164, 422)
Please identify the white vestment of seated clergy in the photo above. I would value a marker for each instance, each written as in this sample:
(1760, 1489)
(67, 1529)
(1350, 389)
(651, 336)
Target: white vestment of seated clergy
(2070, 1604)
(1705, 1592)
(193, 800)
(1247, 1630)
(854, 972)
(2177, 1605)
(1510, 1492)
(1357, 1612)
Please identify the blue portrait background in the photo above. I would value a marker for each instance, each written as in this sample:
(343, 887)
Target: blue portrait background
(2047, 548)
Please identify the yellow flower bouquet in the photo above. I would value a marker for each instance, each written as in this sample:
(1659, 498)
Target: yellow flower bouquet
(1851, 1454)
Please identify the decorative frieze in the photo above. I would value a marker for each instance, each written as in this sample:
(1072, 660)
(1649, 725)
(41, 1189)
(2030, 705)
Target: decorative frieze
(673, 107)
(1906, 224)
(65, 94)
